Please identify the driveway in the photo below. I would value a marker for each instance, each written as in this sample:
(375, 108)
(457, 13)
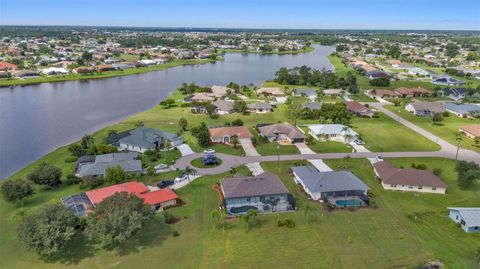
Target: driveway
(304, 149)
(185, 149)
(320, 165)
(248, 147)
(256, 168)
(359, 148)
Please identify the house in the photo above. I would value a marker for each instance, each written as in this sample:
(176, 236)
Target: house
(453, 93)
(55, 71)
(467, 217)
(283, 133)
(358, 109)
(376, 74)
(309, 93)
(25, 73)
(408, 179)
(121, 66)
(225, 134)
(157, 199)
(425, 108)
(104, 67)
(312, 105)
(448, 81)
(263, 193)
(142, 139)
(259, 108)
(83, 70)
(335, 187)
(464, 110)
(275, 92)
(415, 71)
(5, 66)
(147, 62)
(223, 107)
(336, 132)
(413, 92)
(198, 109)
(382, 93)
(470, 130)
(334, 92)
(202, 97)
(95, 166)
(220, 91)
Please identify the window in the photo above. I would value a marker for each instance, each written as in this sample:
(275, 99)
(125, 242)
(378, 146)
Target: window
(420, 187)
(410, 187)
(248, 199)
(434, 188)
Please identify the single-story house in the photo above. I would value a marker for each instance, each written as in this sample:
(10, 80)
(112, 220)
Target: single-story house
(95, 166)
(282, 133)
(142, 139)
(331, 185)
(25, 73)
(408, 179)
(334, 92)
(413, 92)
(198, 109)
(263, 193)
(358, 109)
(382, 93)
(223, 107)
(219, 91)
(332, 131)
(416, 71)
(309, 93)
(312, 105)
(4, 66)
(448, 81)
(84, 70)
(203, 97)
(147, 62)
(467, 217)
(121, 66)
(275, 92)
(425, 108)
(470, 130)
(54, 71)
(464, 110)
(453, 93)
(259, 108)
(376, 74)
(157, 199)
(224, 134)
(104, 67)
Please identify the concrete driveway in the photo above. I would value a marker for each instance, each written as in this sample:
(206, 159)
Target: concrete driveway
(304, 149)
(248, 147)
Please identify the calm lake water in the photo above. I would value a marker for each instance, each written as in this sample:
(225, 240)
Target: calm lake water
(36, 119)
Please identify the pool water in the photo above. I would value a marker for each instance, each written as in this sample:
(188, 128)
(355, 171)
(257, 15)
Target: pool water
(349, 202)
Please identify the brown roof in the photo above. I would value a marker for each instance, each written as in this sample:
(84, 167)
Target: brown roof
(241, 131)
(270, 91)
(281, 128)
(473, 129)
(383, 92)
(356, 107)
(261, 185)
(408, 176)
(411, 91)
(434, 107)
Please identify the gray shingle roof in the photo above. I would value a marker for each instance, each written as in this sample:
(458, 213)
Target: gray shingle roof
(281, 128)
(471, 215)
(319, 182)
(146, 137)
(312, 105)
(128, 161)
(263, 184)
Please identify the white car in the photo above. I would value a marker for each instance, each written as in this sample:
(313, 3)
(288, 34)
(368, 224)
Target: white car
(379, 159)
(209, 151)
(160, 167)
(180, 178)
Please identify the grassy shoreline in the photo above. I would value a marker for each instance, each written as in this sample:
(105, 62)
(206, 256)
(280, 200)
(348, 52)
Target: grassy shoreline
(305, 50)
(109, 74)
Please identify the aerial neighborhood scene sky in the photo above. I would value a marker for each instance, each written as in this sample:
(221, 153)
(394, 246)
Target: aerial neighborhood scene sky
(301, 14)
(189, 134)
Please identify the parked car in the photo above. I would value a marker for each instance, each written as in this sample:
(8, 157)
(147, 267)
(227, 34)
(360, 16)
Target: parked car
(181, 178)
(358, 142)
(379, 159)
(210, 161)
(209, 151)
(165, 183)
(160, 167)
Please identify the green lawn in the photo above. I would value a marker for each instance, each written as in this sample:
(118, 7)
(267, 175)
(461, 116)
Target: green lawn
(329, 147)
(304, 50)
(446, 129)
(222, 148)
(199, 163)
(266, 149)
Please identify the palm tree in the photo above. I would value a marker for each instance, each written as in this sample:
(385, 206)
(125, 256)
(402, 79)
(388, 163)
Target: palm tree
(87, 140)
(233, 171)
(234, 141)
(189, 171)
(345, 134)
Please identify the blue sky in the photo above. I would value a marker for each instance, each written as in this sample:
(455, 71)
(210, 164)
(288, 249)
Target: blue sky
(299, 14)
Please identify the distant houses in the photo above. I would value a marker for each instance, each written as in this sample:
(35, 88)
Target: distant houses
(464, 110)
(95, 166)
(340, 188)
(453, 93)
(408, 179)
(382, 93)
(259, 108)
(467, 217)
(358, 109)
(142, 139)
(282, 133)
(413, 92)
(308, 93)
(264, 193)
(334, 93)
(470, 130)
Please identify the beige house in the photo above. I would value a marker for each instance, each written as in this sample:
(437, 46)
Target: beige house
(409, 179)
(470, 130)
(276, 92)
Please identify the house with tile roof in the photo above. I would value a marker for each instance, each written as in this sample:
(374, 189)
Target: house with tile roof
(470, 130)
(283, 133)
(225, 134)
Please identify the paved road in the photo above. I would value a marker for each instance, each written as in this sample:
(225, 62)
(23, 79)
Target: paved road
(447, 151)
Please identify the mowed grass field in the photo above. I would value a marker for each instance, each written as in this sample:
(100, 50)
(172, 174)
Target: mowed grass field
(446, 129)
(387, 237)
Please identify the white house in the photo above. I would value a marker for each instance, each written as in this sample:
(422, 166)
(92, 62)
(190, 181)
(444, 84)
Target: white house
(55, 71)
(467, 217)
(337, 132)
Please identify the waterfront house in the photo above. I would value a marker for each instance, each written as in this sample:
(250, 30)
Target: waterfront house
(275, 92)
(464, 110)
(470, 130)
(25, 73)
(308, 93)
(467, 217)
(413, 92)
(203, 97)
(263, 193)
(220, 91)
(427, 109)
(142, 139)
(95, 166)
(331, 186)
(259, 108)
(283, 133)
(408, 179)
(337, 132)
(223, 107)
(5, 66)
(55, 71)
(376, 74)
(225, 134)
(358, 109)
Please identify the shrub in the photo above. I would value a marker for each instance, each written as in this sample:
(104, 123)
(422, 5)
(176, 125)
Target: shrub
(289, 223)
(237, 122)
(350, 239)
(72, 179)
(175, 233)
(46, 174)
(446, 114)
(437, 171)
(71, 159)
(371, 194)
(91, 183)
(421, 166)
(168, 217)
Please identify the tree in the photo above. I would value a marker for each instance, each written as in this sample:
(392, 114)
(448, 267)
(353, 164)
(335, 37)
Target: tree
(393, 51)
(87, 56)
(468, 173)
(86, 141)
(150, 170)
(48, 231)
(104, 149)
(379, 82)
(436, 117)
(76, 150)
(211, 110)
(183, 123)
(237, 122)
(117, 218)
(240, 106)
(16, 190)
(234, 141)
(167, 102)
(115, 174)
(451, 50)
(203, 135)
(294, 111)
(46, 174)
(189, 171)
(249, 218)
(139, 124)
(233, 171)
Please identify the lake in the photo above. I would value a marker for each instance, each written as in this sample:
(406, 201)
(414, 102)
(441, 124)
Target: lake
(36, 119)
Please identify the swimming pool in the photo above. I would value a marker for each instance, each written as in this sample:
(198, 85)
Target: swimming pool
(349, 202)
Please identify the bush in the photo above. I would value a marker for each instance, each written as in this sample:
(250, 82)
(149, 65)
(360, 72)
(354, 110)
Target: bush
(175, 233)
(289, 223)
(237, 122)
(71, 159)
(380, 82)
(72, 179)
(168, 217)
(46, 174)
(376, 115)
(91, 183)
(437, 171)
(350, 239)
(421, 166)
(371, 194)
(446, 114)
